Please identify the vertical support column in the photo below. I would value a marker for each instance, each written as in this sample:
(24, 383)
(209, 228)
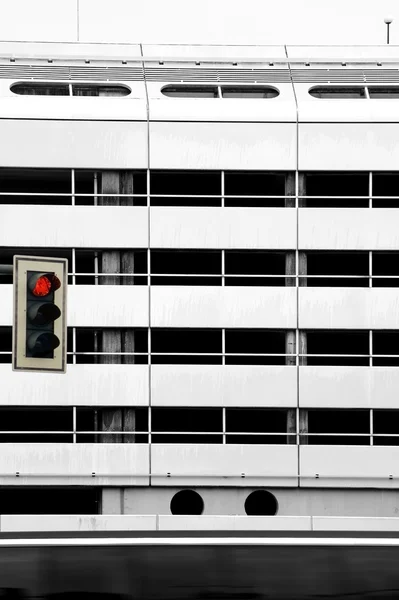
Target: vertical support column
(115, 341)
(290, 336)
(291, 425)
(303, 426)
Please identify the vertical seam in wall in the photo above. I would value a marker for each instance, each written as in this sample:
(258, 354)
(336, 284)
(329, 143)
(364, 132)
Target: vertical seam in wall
(148, 263)
(296, 257)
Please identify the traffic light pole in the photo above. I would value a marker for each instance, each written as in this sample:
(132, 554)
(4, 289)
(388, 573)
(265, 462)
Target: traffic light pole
(6, 269)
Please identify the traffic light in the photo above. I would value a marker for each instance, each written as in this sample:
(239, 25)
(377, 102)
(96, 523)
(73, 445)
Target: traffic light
(39, 328)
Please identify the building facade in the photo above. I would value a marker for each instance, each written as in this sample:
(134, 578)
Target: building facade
(230, 216)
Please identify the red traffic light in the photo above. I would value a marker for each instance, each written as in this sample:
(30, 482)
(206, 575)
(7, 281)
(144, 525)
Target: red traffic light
(44, 284)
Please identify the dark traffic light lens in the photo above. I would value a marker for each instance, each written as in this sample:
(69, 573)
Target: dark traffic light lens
(43, 314)
(40, 344)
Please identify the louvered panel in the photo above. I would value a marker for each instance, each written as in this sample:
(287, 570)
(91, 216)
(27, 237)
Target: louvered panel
(217, 75)
(181, 75)
(107, 73)
(53, 73)
(345, 75)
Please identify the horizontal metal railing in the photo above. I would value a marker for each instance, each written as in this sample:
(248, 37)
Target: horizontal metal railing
(296, 200)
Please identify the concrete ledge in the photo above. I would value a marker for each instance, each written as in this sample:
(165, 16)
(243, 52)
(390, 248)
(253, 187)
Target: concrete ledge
(19, 523)
(355, 524)
(53, 523)
(232, 523)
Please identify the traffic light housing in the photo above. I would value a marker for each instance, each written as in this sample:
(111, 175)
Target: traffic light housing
(39, 328)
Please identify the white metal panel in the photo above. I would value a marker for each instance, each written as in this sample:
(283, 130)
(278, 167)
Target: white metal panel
(108, 306)
(222, 146)
(348, 387)
(45, 523)
(271, 228)
(129, 108)
(213, 464)
(74, 464)
(227, 385)
(197, 51)
(94, 305)
(280, 109)
(372, 52)
(348, 308)
(349, 466)
(69, 50)
(348, 229)
(83, 385)
(348, 146)
(202, 306)
(231, 523)
(69, 144)
(74, 226)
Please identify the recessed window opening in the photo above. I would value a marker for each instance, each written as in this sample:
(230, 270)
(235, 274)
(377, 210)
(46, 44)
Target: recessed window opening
(337, 347)
(343, 423)
(187, 502)
(186, 425)
(35, 419)
(385, 427)
(245, 188)
(190, 91)
(256, 421)
(255, 347)
(261, 503)
(325, 268)
(250, 262)
(383, 93)
(40, 89)
(256, 92)
(385, 184)
(338, 187)
(185, 188)
(338, 93)
(48, 500)
(93, 345)
(385, 343)
(247, 92)
(35, 186)
(385, 263)
(180, 267)
(186, 346)
(104, 91)
(65, 89)
(112, 425)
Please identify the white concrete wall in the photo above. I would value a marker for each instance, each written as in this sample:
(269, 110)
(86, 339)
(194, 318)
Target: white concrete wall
(73, 226)
(221, 465)
(349, 466)
(224, 228)
(94, 305)
(348, 308)
(214, 385)
(74, 464)
(348, 228)
(348, 387)
(84, 385)
(222, 145)
(202, 306)
(94, 144)
(348, 146)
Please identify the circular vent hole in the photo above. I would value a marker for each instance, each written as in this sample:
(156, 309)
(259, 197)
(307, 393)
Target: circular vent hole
(261, 502)
(187, 502)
